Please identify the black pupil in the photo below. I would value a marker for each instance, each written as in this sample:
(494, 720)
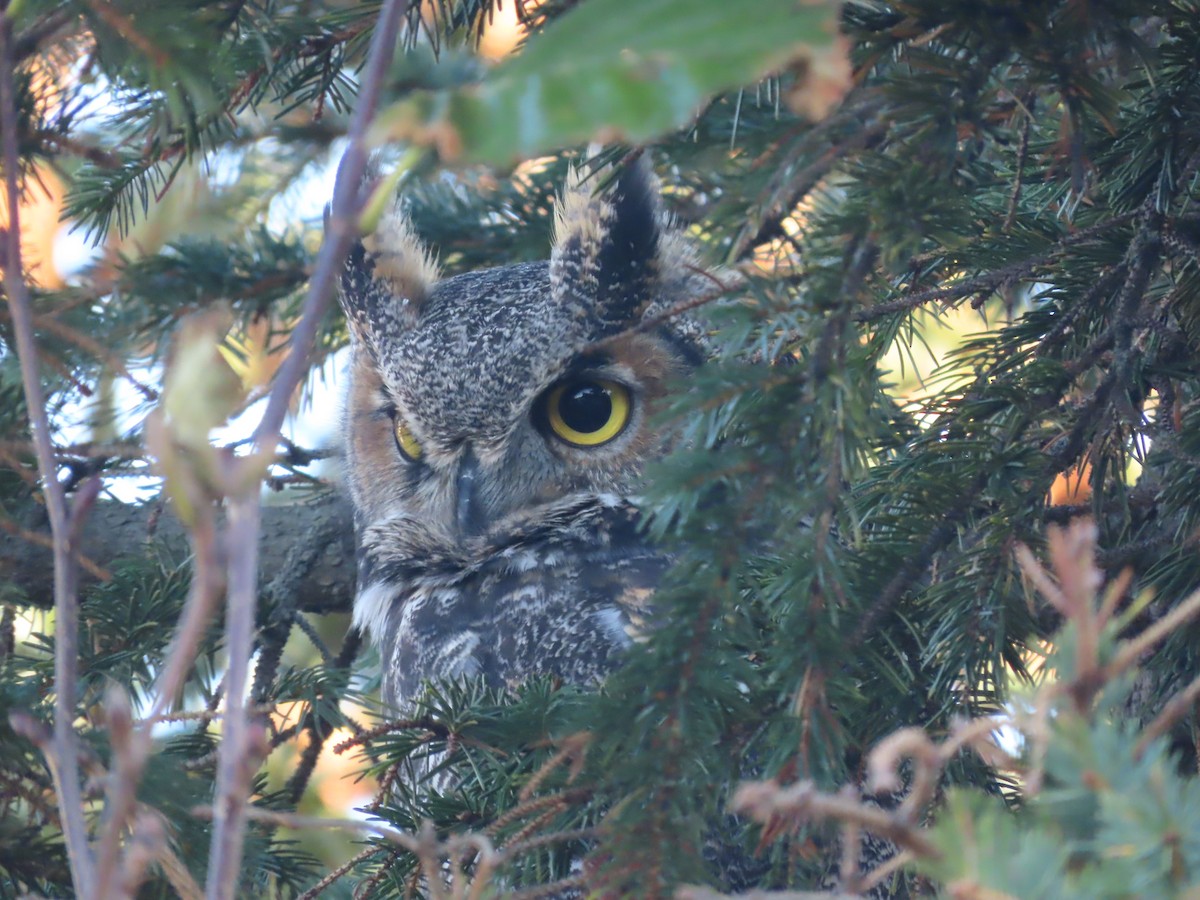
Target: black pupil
(585, 407)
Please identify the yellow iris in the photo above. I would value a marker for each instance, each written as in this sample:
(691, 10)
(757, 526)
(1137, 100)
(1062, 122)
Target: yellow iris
(410, 447)
(588, 412)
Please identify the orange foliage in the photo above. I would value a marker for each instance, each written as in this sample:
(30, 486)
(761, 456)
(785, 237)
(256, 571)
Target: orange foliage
(501, 35)
(1072, 487)
(39, 212)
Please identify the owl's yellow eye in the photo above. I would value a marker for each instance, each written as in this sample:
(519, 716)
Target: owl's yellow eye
(588, 412)
(410, 447)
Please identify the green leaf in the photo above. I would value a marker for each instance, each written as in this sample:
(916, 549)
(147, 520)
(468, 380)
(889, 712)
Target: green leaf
(614, 70)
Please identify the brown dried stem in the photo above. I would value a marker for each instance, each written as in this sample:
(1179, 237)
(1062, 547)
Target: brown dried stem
(425, 845)
(317, 889)
(232, 779)
(766, 801)
(131, 748)
(1177, 707)
(63, 751)
(401, 839)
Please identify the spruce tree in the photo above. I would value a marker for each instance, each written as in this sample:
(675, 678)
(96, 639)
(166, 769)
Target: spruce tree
(955, 327)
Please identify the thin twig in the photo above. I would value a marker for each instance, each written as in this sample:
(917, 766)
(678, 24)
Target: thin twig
(125, 26)
(64, 757)
(230, 798)
(1177, 707)
(232, 779)
(425, 723)
(1022, 152)
(319, 731)
(197, 715)
(131, 758)
(30, 41)
(722, 285)
(1128, 652)
(86, 342)
(341, 227)
(802, 802)
(885, 870)
(549, 839)
(297, 822)
(314, 637)
(319, 888)
(796, 184)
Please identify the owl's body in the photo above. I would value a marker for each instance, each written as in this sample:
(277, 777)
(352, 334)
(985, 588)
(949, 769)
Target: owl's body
(497, 428)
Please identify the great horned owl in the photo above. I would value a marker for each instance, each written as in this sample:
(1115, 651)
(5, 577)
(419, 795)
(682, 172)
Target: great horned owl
(496, 430)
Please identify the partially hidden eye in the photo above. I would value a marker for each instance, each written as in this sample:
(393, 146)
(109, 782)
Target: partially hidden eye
(588, 412)
(410, 447)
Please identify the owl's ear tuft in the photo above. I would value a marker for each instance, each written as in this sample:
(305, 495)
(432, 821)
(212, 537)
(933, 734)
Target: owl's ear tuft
(606, 245)
(387, 277)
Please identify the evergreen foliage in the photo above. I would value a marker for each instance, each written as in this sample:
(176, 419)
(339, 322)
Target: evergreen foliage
(845, 514)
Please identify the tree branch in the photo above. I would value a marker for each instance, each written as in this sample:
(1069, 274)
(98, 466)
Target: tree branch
(230, 803)
(64, 755)
(320, 582)
(234, 768)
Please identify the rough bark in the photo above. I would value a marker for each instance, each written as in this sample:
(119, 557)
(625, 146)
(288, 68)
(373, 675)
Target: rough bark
(306, 550)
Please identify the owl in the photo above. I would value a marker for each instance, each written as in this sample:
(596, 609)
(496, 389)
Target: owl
(497, 428)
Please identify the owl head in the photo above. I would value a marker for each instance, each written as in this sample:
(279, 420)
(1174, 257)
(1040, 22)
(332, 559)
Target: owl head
(480, 399)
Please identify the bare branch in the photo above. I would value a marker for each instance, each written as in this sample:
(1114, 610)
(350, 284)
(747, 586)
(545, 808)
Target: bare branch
(1177, 707)
(131, 753)
(233, 773)
(296, 821)
(767, 801)
(232, 778)
(1128, 652)
(64, 754)
(693, 892)
(321, 582)
(319, 888)
(989, 281)
(341, 227)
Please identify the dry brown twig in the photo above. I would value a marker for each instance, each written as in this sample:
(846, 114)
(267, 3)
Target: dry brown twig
(571, 751)
(1077, 595)
(1077, 590)
(787, 807)
(63, 751)
(132, 743)
(801, 803)
(693, 892)
(117, 865)
(337, 874)
(1180, 705)
(230, 801)
(440, 860)
(537, 812)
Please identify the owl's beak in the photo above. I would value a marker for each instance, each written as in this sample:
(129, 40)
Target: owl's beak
(469, 512)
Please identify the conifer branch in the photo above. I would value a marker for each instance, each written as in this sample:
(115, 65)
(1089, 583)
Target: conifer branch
(319, 732)
(30, 41)
(988, 282)
(802, 802)
(796, 185)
